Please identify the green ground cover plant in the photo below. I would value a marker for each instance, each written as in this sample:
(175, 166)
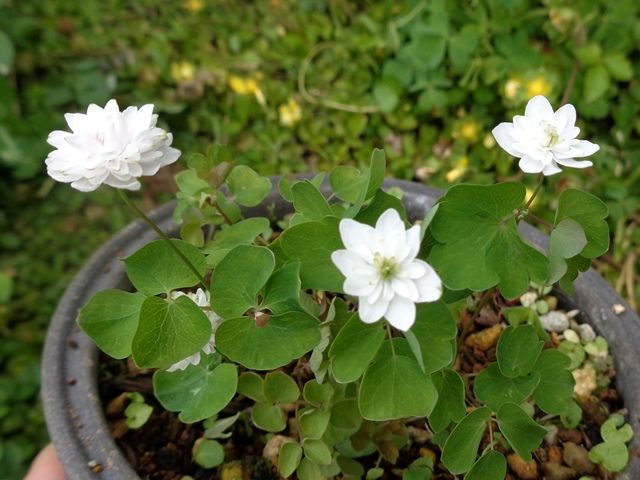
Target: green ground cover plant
(294, 87)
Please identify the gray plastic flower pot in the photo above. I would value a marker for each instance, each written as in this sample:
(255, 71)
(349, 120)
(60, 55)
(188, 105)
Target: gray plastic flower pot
(72, 405)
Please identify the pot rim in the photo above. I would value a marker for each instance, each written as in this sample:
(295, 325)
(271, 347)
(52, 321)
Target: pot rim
(74, 413)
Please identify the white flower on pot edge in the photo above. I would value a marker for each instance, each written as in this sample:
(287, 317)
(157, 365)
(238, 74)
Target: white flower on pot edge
(545, 140)
(106, 146)
(382, 270)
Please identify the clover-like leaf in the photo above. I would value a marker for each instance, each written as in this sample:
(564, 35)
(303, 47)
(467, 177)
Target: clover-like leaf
(380, 203)
(395, 387)
(238, 278)
(450, 406)
(156, 268)
(553, 395)
(284, 338)
(517, 351)
(282, 291)
(347, 183)
(289, 458)
(490, 466)
(313, 422)
(208, 453)
(268, 417)
(522, 432)
(312, 243)
(280, 387)
(317, 394)
(251, 385)
(373, 178)
(169, 331)
(248, 188)
(199, 391)
(317, 451)
(354, 348)
(461, 448)
(478, 245)
(110, 318)
(566, 241)
(308, 201)
(495, 389)
(229, 237)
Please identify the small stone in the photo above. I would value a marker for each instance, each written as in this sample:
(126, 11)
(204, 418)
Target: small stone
(586, 381)
(428, 453)
(555, 471)
(571, 336)
(232, 471)
(484, 339)
(573, 313)
(552, 302)
(116, 406)
(570, 435)
(586, 332)
(552, 435)
(618, 308)
(555, 321)
(577, 458)
(555, 454)
(524, 470)
(528, 299)
(419, 435)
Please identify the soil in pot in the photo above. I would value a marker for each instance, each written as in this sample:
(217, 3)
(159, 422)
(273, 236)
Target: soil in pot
(162, 448)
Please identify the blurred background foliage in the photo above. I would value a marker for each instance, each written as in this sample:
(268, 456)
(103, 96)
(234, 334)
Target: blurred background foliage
(292, 86)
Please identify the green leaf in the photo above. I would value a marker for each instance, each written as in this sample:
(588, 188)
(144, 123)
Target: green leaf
(614, 456)
(110, 318)
(169, 331)
(229, 237)
(614, 429)
(317, 394)
(566, 240)
(307, 470)
(7, 54)
(251, 385)
(433, 333)
(380, 203)
(517, 351)
(354, 348)
(523, 433)
(386, 94)
(460, 449)
(590, 212)
(248, 188)
(317, 451)
(619, 67)
(347, 183)
(289, 458)
(395, 387)
(596, 83)
(374, 177)
(284, 338)
(282, 292)
(208, 453)
(478, 243)
(137, 414)
(524, 315)
(350, 468)
(313, 423)
(345, 414)
(156, 268)
(491, 466)
(450, 406)
(199, 391)
(308, 201)
(495, 389)
(554, 393)
(312, 243)
(268, 417)
(280, 387)
(238, 279)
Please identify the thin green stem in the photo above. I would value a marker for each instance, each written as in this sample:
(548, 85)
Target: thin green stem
(535, 192)
(393, 348)
(491, 432)
(163, 236)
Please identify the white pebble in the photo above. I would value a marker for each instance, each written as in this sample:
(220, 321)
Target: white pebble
(528, 299)
(571, 336)
(586, 332)
(554, 321)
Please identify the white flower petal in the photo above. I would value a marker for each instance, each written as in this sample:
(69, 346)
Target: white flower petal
(405, 288)
(429, 285)
(504, 135)
(570, 162)
(539, 108)
(529, 164)
(551, 169)
(357, 237)
(585, 148)
(565, 119)
(371, 313)
(401, 313)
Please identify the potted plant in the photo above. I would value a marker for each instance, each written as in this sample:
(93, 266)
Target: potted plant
(337, 326)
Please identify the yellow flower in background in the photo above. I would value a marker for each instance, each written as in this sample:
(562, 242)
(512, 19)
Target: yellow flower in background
(182, 71)
(468, 129)
(194, 6)
(538, 86)
(458, 170)
(247, 86)
(290, 113)
(512, 87)
(489, 142)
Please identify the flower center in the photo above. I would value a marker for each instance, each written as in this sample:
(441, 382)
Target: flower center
(387, 267)
(552, 134)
